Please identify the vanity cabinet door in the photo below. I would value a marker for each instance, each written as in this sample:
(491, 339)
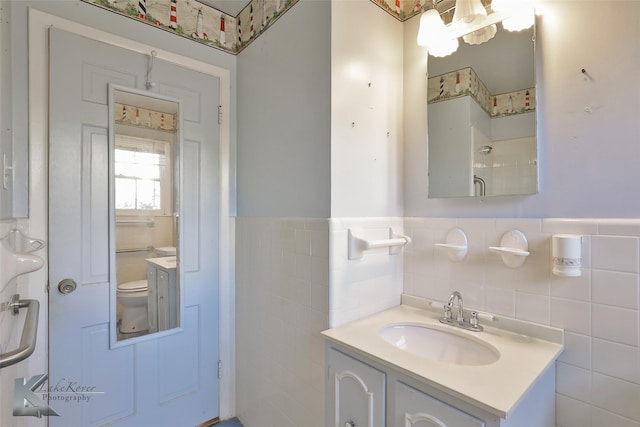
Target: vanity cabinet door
(152, 298)
(163, 300)
(356, 393)
(417, 409)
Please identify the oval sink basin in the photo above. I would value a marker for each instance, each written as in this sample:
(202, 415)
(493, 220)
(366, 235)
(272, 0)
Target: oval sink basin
(440, 345)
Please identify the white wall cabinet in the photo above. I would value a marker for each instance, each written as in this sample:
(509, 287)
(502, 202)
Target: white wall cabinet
(371, 394)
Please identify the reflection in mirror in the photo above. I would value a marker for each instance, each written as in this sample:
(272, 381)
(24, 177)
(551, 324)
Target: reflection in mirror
(145, 157)
(482, 119)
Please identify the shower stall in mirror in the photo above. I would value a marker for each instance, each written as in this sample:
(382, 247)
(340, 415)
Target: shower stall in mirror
(482, 119)
(145, 169)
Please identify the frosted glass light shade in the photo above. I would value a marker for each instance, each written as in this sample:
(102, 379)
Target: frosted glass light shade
(519, 21)
(511, 5)
(445, 48)
(501, 5)
(468, 11)
(480, 36)
(521, 11)
(431, 28)
(433, 35)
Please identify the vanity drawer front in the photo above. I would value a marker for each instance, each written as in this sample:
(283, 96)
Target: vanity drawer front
(356, 393)
(417, 409)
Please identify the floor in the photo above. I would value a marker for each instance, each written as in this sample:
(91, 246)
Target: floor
(123, 336)
(234, 422)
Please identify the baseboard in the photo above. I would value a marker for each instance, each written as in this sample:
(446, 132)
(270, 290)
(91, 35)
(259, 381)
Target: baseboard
(209, 423)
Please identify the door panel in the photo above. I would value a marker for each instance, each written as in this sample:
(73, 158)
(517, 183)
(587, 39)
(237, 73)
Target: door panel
(191, 219)
(175, 383)
(121, 405)
(95, 190)
(168, 381)
(95, 78)
(191, 98)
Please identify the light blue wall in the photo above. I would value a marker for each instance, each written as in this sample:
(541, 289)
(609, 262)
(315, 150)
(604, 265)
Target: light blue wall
(284, 124)
(95, 17)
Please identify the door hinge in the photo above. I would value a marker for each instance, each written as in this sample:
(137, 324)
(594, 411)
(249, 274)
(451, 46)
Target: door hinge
(219, 114)
(219, 369)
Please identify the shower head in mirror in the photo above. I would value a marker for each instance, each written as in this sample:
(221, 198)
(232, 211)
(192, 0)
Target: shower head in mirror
(485, 150)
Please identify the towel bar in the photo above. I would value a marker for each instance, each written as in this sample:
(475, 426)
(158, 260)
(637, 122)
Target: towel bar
(357, 245)
(131, 250)
(29, 332)
(148, 221)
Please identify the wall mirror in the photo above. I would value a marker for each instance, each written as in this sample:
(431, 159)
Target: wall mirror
(482, 119)
(145, 146)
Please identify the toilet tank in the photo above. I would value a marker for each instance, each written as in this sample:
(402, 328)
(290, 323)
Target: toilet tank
(166, 251)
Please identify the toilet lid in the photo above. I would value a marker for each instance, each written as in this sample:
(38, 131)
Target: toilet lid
(166, 251)
(136, 285)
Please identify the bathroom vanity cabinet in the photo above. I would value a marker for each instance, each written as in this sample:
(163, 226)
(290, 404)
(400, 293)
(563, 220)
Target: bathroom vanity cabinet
(358, 392)
(403, 368)
(415, 408)
(366, 392)
(162, 294)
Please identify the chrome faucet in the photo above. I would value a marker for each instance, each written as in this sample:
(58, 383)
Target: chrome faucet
(483, 185)
(471, 325)
(452, 298)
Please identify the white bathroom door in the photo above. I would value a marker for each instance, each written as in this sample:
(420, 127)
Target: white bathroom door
(169, 381)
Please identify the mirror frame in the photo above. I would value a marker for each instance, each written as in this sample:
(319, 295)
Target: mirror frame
(177, 214)
(534, 53)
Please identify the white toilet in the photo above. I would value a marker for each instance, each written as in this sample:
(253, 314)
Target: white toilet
(133, 297)
(166, 251)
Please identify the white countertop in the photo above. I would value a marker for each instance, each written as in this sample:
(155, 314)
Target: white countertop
(496, 388)
(165, 262)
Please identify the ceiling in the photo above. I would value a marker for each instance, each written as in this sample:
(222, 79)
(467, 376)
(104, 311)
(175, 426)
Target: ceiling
(230, 7)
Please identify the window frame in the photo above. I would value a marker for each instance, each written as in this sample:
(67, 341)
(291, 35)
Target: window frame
(124, 141)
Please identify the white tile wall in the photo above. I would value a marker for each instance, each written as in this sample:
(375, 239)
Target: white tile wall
(27, 286)
(6, 290)
(294, 278)
(6, 326)
(365, 286)
(282, 304)
(598, 376)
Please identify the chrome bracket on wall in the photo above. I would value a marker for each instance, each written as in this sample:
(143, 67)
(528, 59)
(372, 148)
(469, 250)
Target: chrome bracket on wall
(29, 331)
(358, 245)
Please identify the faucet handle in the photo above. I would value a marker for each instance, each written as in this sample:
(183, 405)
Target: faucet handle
(473, 320)
(447, 312)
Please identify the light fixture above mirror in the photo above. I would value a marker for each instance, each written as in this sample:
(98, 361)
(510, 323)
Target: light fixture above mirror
(473, 20)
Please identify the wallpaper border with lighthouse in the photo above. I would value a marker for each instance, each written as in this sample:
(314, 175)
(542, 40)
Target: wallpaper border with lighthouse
(202, 23)
(465, 82)
(209, 26)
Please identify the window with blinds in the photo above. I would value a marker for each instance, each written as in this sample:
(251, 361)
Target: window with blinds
(142, 181)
